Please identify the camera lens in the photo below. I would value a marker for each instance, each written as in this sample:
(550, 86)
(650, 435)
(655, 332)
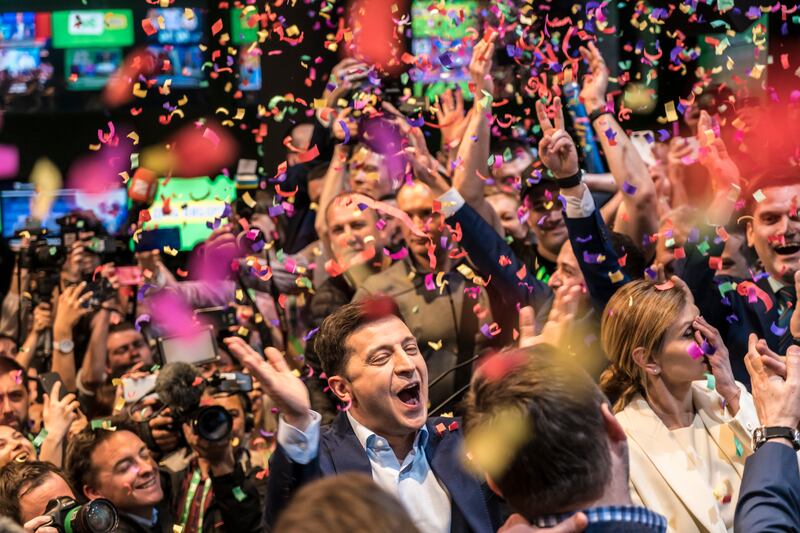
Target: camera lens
(97, 516)
(213, 423)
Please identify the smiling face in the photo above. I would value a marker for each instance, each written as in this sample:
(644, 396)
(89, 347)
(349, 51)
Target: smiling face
(506, 208)
(126, 474)
(385, 378)
(547, 223)
(351, 231)
(33, 501)
(14, 446)
(369, 174)
(417, 202)
(677, 366)
(774, 231)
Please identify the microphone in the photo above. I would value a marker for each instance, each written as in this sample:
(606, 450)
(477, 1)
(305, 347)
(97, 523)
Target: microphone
(143, 186)
(452, 369)
(177, 387)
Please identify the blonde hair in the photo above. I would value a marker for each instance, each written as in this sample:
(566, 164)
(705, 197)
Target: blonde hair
(637, 316)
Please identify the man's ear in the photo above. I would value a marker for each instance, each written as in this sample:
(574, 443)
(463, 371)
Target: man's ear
(613, 427)
(91, 493)
(750, 234)
(645, 362)
(493, 486)
(340, 388)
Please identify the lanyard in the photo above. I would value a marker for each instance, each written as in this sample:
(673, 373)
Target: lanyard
(190, 494)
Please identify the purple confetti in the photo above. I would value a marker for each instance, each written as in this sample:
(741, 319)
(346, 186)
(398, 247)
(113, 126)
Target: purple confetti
(310, 334)
(777, 331)
(583, 240)
(346, 131)
(628, 188)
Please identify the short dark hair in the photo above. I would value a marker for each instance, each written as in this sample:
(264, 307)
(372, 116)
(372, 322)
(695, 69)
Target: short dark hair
(122, 326)
(330, 343)
(80, 470)
(17, 479)
(562, 457)
(771, 178)
(8, 365)
(366, 508)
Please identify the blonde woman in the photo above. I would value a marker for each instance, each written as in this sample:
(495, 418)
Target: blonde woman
(689, 424)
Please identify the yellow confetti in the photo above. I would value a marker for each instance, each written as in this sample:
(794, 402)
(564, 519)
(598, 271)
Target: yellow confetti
(616, 276)
(188, 13)
(292, 31)
(239, 114)
(138, 91)
(672, 115)
(170, 251)
(435, 345)
(248, 200)
(134, 136)
(757, 71)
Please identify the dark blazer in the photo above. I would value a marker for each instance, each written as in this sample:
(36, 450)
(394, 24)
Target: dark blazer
(474, 507)
(769, 497)
(732, 313)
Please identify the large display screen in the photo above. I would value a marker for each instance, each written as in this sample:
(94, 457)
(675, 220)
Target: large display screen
(90, 68)
(175, 44)
(176, 25)
(24, 57)
(191, 205)
(440, 34)
(15, 208)
(92, 28)
(249, 70)
(241, 31)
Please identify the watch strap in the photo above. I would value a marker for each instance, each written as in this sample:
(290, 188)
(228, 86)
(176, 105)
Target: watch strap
(767, 433)
(571, 181)
(597, 113)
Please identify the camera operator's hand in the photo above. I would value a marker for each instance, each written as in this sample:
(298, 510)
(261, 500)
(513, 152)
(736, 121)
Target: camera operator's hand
(166, 439)
(556, 149)
(287, 390)
(70, 309)
(219, 454)
(42, 318)
(72, 266)
(150, 263)
(58, 415)
(40, 524)
(344, 76)
(109, 272)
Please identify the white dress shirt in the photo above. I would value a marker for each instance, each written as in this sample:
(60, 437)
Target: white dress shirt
(412, 481)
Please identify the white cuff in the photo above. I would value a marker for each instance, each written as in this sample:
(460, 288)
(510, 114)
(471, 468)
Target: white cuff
(451, 202)
(582, 207)
(79, 383)
(300, 446)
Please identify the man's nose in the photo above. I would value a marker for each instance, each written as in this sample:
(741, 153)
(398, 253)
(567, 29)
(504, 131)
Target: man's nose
(554, 282)
(7, 405)
(402, 361)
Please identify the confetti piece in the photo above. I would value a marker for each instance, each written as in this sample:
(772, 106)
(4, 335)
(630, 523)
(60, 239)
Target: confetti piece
(147, 26)
(695, 351)
(669, 107)
(616, 276)
(776, 330)
(759, 196)
(665, 286)
(739, 448)
(239, 494)
(9, 161)
(216, 27)
(628, 188)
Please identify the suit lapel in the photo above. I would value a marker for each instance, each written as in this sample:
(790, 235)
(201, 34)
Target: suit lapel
(344, 450)
(444, 456)
(725, 435)
(673, 464)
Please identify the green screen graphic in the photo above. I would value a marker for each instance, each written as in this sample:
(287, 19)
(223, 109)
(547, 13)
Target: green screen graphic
(75, 29)
(191, 204)
(241, 32)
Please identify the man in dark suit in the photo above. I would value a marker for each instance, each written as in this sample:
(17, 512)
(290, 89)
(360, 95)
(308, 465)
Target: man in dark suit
(375, 367)
(769, 497)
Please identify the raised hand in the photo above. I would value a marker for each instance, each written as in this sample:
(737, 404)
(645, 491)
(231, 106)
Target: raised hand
(71, 307)
(277, 380)
(595, 83)
(480, 66)
(719, 360)
(713, 154)
(556, 149)
(777, 399)
(794, 325)
(449, 111)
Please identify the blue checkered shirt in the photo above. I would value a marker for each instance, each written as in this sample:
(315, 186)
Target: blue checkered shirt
(632, 514)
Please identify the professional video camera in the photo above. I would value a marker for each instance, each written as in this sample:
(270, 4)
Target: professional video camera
(96, 516)
(80, 227)
(180, 386)
(43, 260)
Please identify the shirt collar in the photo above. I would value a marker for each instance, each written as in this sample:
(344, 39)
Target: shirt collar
(144, 522)
(363, 434)
(610, 513)
(775, 285)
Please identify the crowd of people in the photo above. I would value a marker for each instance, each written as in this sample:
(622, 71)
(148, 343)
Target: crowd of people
(476, 336)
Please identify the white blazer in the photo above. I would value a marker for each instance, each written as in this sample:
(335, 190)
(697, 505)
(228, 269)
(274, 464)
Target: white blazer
(666, 480)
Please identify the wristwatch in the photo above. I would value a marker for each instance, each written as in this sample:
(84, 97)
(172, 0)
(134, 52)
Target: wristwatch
(764, 433)
(64, 346)
(571, 181)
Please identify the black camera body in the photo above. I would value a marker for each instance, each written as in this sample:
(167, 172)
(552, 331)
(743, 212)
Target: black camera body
(43, 261)
(96, 516)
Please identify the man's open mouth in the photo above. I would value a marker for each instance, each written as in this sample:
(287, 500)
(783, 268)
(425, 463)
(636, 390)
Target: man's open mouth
(409, 394)
(21, 457)
(787, 249)
(147, 484)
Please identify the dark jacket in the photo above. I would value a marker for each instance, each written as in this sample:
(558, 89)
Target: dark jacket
(474, 507)
(769, 497)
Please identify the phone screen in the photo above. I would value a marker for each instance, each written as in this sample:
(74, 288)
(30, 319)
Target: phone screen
(195, 349)
(48, 380)
(134, 389)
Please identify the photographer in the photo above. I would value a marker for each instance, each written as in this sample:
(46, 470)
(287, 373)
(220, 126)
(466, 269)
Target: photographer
(25, 490)
(216, 486)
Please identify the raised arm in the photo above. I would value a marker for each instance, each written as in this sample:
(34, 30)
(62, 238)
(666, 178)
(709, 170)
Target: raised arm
(474, 149)
(69, 311)
(638, 215)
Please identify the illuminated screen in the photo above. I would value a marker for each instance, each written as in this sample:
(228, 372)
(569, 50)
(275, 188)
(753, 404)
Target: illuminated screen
(79, 29)
(110, 207)
(249, 70)
(184, 65)
(441, 36)
(191, 205)
(176, 25)
(241, 30)
(90, 68)
(23, 53)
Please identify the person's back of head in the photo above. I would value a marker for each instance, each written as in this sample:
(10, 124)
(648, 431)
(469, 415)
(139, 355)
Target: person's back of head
(348, 503)
(536, 427)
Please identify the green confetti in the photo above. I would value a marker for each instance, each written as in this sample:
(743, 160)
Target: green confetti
(725, 288)
(37, 442)
(711, 381)
(739, 447)
(703, 247)
(239, 494)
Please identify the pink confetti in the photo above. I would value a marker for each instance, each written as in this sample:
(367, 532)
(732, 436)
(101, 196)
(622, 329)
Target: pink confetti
(9, 161)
